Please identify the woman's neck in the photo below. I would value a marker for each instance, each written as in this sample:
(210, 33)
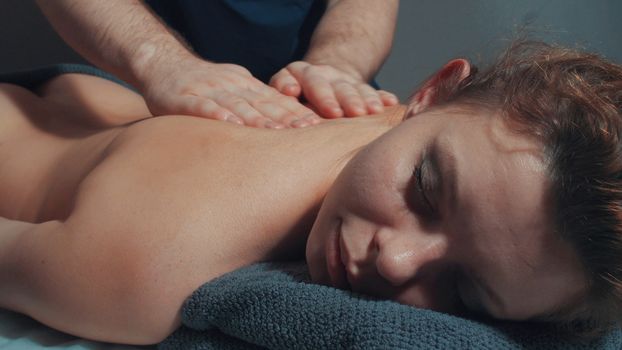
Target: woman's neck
(347, 136)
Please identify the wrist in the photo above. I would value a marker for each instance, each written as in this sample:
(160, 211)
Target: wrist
(152, 57)
(343, 65)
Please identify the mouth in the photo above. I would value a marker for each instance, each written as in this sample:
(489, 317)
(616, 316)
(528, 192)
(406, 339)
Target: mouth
(336, 268)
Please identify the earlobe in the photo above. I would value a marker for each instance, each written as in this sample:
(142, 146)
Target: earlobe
(452, 73)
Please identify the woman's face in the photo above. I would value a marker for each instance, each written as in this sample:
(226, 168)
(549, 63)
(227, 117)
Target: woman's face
(447, 210)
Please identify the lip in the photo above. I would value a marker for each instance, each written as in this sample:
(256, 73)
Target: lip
(334, 264)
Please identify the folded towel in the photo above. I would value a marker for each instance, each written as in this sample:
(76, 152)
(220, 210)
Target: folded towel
(273, 305)
(32, 78)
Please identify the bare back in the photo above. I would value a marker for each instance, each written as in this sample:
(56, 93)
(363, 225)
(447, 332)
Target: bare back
(178, 199)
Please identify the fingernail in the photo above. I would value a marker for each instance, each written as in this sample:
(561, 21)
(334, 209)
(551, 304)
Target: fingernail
(299, 123)
(311, 119)
(376, 107)
(359, 111)
(337, 111)
(273, 125)
(233, 119)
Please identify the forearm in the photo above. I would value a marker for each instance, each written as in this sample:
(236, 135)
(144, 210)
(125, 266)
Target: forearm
(119, 36)
(354, 36)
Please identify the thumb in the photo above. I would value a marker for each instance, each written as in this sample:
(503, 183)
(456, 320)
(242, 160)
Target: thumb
(200, 107)
(286, 83)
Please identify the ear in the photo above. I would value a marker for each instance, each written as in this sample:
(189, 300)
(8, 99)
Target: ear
(453, 72)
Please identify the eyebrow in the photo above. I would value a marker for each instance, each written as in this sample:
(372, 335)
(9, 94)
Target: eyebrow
(443, 162)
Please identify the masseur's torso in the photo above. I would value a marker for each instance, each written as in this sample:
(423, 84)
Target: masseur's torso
(263, 36)
(217, 195)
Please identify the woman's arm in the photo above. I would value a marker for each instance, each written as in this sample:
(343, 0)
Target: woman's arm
(17, 264)
(11, 279)
(78, 277)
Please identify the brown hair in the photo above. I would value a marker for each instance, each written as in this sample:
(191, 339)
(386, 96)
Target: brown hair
(571, 102)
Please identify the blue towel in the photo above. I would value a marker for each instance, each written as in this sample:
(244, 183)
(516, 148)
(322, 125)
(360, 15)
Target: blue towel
(273, 305)
(32, 78)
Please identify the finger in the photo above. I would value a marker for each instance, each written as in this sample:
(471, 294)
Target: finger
(321, 95)
(286, 83)
(388, 99)
(313, 119)
(372, 99)
(236, 68)
(281, 109)
(299, 115)
(350, 99)
(241, 108)
(205, 108)
(307, 120)
(271, 107)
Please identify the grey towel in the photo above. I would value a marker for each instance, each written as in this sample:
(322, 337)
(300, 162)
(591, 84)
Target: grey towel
(274, 306)
(32, 78)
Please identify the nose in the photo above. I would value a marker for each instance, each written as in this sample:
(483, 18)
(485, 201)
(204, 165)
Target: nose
(403, 257)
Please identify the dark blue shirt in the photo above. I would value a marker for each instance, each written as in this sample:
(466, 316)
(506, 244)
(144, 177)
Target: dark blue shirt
(261, 35)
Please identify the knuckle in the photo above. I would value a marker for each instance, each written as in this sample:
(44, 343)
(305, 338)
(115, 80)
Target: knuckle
(235, 68)
(347, 93)
(229, 98)
(290, 100)
(366, 89)
(320, 67)
(343, 85)
(297, 65)
(220, 113)
(314, 79)
(276, 79)
(206, 106)
(259, 103)
(256, 121)
(371, 100)
(282, 73)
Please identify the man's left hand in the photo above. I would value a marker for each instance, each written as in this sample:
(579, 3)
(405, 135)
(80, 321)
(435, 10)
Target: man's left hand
(332, 92)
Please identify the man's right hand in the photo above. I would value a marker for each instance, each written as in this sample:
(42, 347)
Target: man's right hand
(223, 92)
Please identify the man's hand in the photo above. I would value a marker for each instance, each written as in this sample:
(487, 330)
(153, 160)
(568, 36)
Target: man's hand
(332, 92)
(221, 91)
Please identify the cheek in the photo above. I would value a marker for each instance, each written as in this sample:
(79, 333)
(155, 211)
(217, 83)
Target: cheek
(360, 191)
(372, 190)
(371, 187)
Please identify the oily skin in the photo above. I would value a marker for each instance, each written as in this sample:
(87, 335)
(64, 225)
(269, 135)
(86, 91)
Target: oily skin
(485, 242)
(127, 202)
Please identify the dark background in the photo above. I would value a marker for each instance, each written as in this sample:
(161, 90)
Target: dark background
(429, 33)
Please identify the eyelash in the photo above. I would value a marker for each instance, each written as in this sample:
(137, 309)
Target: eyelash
(420, 187)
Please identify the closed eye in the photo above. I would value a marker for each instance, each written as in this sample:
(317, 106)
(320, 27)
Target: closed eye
(421, 188)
